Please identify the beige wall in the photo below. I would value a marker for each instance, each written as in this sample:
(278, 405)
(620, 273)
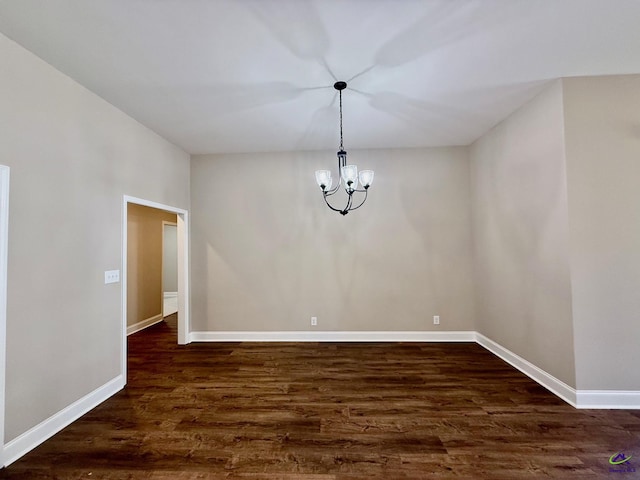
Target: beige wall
(145, 261)
(267, 254)
(170, 258)
(603, 171)
(519, 199)
(72, 158)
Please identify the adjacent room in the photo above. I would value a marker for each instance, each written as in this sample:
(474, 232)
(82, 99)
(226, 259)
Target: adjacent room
(319, 239)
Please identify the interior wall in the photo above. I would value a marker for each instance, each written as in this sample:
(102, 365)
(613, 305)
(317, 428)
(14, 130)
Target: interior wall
(603, 171)
(72, 156)
(170, 258)
(145, 261)
(520, 231)
(268, 254)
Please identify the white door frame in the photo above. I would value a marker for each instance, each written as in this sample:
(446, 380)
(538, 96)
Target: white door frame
(4, 243)
(183, 272)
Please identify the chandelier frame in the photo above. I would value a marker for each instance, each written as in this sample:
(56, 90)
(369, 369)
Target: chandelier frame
(347, 174)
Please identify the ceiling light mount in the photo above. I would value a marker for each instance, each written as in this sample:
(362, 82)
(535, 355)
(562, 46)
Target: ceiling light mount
(340, 85)
(346, 173)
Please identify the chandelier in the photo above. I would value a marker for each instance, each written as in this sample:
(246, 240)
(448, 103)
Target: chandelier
(348, 175)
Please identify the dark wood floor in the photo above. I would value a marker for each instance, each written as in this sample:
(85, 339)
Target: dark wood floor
(329, 411)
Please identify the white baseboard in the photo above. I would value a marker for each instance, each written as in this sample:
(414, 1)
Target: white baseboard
(609, 399)
(551, 383)
(29, 440)
(332, 336)
(136, 327)
(582, 399)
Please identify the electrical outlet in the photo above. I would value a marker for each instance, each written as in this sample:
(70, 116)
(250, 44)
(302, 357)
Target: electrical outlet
(436, 319)
(314, 321)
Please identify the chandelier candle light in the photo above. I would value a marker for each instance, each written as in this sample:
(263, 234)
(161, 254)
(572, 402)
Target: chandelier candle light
(346, 173)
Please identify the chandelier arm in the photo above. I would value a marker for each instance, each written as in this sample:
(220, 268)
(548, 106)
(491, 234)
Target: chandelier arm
(334, 189)
(349, 203)
(331, 207)
(366, 192)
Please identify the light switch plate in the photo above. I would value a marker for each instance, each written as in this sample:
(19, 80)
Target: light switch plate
(111, 276)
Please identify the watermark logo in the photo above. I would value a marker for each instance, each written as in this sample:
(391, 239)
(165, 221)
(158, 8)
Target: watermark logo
(619, 458)
(621, 463)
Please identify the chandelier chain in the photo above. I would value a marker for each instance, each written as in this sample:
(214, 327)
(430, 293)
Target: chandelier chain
(341, 146)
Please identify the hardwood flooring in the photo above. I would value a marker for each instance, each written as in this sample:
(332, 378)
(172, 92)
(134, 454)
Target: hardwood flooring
(324, 411)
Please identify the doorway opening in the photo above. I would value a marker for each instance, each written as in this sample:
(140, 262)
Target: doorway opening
(180, 218)
(169, 268)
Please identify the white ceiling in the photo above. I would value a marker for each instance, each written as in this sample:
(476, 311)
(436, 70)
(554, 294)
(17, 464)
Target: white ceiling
(243, 76)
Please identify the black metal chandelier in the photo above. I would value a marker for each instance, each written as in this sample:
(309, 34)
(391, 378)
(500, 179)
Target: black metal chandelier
(346, 173)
